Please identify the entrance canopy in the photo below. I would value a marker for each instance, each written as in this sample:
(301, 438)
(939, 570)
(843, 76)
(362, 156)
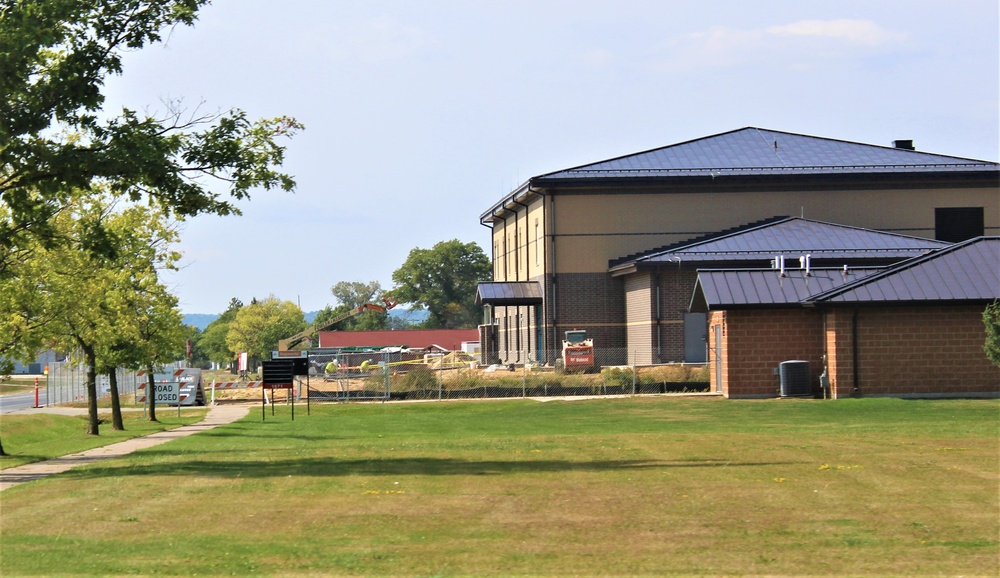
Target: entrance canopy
(509, 293)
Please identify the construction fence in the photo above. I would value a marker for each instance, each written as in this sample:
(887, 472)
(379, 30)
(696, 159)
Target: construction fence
(66, 383)
(390, 375)
(401, 375)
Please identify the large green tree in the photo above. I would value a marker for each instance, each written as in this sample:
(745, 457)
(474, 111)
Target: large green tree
(55, 137)
(351, 295)
(212, 340)
(443, 280)
(109, 307)
(257, 327)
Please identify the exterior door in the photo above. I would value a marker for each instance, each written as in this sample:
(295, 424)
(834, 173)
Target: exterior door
(695, 337)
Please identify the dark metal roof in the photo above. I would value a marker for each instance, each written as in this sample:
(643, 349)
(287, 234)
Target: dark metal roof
(791, 237)
(736, 288)
(967, 271)
(765, 157)
(509, 293)
(757, 151)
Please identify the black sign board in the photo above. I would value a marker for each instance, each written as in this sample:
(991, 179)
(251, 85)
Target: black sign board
(278, 373)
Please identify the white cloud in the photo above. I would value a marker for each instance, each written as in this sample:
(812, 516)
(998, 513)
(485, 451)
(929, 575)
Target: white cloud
(798, 45)
(856, 31)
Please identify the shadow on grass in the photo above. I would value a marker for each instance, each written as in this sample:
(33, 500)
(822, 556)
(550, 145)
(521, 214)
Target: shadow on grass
(327, 467)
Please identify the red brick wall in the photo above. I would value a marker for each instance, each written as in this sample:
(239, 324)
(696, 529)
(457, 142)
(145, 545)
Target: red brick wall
(754, 343)
(918, 351)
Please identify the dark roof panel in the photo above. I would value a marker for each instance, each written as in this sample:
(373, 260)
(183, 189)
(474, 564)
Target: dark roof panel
(509, 293)
(791, 237)
(757, 151)
(967, 271)
(733, 288)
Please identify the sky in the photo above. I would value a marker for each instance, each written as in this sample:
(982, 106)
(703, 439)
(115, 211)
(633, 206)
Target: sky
(419, 116)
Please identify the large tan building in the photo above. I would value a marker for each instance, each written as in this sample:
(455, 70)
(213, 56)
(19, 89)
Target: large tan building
(577, 248)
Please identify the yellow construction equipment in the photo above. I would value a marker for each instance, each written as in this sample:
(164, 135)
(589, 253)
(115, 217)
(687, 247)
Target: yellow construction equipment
(288, 343)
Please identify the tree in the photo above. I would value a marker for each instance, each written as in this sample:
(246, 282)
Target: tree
(991, 319)
(212, 340)
(198, 357)
(54, 58)
(443, 280)
(356, 293)
(257, 327)
(351, 295)
(109, 306)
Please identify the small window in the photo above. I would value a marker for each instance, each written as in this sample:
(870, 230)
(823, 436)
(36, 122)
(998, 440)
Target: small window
(538, 242)
(954, 224)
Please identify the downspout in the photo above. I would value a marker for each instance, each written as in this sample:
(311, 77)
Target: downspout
(854, 353)
(505, 251)
(493, 250)
(527, 255)
(539, 312)
(659, 317)
(555, 322)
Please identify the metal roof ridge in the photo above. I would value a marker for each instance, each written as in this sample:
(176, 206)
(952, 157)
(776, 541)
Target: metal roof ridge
(898, 268)
(740, 229)
(643, 152)
(771, 168)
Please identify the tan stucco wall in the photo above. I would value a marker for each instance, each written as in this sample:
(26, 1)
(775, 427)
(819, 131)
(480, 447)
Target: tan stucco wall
(519, 249)
(593, 229)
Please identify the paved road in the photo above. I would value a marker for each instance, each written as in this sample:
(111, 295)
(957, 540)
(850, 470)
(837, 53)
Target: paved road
(12, 402)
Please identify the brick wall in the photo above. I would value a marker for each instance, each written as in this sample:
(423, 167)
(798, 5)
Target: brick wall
(902, 351)
(676, 288)
(912, 351)
(754, 343)
(595, 302)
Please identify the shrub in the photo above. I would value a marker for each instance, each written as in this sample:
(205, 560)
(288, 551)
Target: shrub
(417, 378)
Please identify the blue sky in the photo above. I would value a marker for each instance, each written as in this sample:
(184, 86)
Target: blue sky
(420, 115)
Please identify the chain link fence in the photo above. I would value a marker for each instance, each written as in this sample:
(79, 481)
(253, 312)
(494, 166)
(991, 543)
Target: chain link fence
(400, 375)
(66, 383)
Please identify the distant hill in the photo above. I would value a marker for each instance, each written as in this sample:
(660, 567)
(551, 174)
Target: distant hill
(201, 320)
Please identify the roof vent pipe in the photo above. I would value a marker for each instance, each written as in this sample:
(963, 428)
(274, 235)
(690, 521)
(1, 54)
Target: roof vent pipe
(804, 263)
(906, 145)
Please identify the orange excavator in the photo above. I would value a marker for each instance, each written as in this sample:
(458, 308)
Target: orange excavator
(285, 345)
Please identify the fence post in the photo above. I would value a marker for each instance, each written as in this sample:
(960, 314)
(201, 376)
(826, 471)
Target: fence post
(524, 377)
(633, 371)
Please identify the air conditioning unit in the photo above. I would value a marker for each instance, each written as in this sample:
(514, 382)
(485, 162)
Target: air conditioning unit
(794, 377)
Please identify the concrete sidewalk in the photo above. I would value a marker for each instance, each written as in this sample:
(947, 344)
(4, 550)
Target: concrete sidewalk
(218, 415)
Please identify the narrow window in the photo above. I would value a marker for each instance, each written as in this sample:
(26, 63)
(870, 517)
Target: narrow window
(538, 242)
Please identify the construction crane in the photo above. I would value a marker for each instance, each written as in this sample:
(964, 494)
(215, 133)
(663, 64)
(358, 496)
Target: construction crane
(289, 342)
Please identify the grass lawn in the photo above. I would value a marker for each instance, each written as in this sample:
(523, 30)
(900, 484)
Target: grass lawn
(17, 384)
(615, 486)
(31, 438)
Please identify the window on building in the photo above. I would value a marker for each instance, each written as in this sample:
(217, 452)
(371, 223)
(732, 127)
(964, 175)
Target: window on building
(954, 224)
(538, 243)
(517, 256)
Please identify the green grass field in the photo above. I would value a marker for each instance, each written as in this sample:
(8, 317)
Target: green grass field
(33, 438)
(639, 486)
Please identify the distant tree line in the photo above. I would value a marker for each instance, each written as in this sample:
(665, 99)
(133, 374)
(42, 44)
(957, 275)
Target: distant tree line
(441, 280)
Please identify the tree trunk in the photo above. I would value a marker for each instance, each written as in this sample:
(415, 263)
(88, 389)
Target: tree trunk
(91, 360)
(151, 394)
(116, 406)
